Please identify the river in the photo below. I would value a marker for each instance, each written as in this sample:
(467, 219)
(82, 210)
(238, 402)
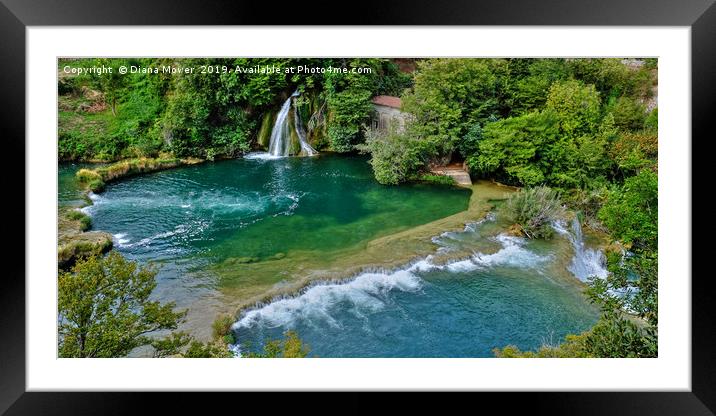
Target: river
(223, 233)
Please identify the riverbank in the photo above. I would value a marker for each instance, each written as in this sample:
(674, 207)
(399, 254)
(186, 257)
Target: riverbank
(95, 179)
(251, 269)
(74, 240)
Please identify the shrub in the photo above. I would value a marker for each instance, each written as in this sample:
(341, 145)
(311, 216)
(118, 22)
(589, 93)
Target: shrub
(67, 85)
(651, 122)
(395, 155)
(85, 220)
(90, 179)
(437, 179)
(629, 114)
(573, 347)
(200, 350)
(289, 347)
(342, 137)
(534, 209)
(221, 328)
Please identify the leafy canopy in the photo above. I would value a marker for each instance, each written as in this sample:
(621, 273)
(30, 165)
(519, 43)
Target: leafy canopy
(105, 309)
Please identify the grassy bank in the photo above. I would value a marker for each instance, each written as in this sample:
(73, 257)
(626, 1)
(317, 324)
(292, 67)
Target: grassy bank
(96, 179)
(74, 241)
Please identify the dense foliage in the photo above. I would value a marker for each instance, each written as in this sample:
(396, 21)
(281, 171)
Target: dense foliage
(394, 157)
(105, 310)
(579, 123)
(214, 114)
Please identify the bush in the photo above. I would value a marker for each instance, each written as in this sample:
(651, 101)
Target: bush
(573, 347)
(290, 347)
(72, 145)
(629, 114)
(633, 151)
(612, 336)
(437, 179)
(85, 220)
(651, 123)
(200, 350)
(67, 85)
(513, 149)
(90, 179)
(343, 138)
(395, 155)
(534, 209)
(221, 328)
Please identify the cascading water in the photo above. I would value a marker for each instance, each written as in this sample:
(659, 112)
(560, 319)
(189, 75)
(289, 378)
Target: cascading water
(280, 143)
(306, 148)
(586, 262)
(431, 307)
(280, 135)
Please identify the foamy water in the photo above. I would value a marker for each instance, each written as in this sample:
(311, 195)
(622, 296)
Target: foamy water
(370, 292)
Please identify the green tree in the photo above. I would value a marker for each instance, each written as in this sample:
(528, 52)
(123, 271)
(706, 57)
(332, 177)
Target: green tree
(629, 113)
(576, 105)
(348, 96)
(512, 149)
(564, 145)
(111, 84)
(451, 95)
(105, 310)
(528, 83)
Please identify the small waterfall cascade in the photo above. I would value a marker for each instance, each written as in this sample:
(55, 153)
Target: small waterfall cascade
(280, 142)
(586, 262)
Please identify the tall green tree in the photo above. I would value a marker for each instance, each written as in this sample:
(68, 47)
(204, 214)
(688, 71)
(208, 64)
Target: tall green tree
(449, 96)
(112, 83)
(105, 308)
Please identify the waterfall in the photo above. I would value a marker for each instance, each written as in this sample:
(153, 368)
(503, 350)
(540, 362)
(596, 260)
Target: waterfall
(306, 148)
(280, 143)
(280, 135)
(586, 262)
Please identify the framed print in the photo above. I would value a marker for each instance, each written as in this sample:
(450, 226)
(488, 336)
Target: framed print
(402, 207)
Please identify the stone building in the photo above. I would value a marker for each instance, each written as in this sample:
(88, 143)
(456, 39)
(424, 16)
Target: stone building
(387, 110)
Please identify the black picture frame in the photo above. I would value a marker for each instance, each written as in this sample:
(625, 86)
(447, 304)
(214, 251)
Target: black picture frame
(16, 15)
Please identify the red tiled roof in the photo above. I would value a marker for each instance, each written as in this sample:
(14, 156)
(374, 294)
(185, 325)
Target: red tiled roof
(387, 100)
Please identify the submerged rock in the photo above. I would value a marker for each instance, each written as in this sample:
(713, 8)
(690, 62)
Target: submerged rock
(240, 260)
